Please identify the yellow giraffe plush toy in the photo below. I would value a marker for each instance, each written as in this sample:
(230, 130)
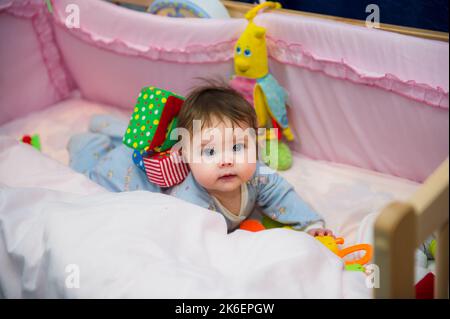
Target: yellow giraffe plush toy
(254, 81)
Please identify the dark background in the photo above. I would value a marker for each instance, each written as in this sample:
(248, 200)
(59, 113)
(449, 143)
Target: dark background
(423, 14)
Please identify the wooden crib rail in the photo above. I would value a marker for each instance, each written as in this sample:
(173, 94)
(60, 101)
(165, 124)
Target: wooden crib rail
(431, 206)
(238, 10)
(400, 229)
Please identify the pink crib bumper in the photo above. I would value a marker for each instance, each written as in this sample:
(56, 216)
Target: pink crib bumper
(387, 61)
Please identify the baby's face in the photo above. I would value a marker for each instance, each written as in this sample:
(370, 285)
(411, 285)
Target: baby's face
(223, 157)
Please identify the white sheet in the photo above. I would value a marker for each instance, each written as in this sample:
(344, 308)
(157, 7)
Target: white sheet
(122, 250)
(55, 125)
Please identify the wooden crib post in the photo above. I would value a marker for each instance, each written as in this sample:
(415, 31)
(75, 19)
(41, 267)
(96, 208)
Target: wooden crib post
(394, 251)
(441, 285)
(431, 206)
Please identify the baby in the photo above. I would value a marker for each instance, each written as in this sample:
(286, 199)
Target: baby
(225, 174)
(218, 141)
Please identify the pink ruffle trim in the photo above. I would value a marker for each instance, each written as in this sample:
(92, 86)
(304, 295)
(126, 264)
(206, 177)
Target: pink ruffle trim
(294, 54)
(36, 10)
(219, 52)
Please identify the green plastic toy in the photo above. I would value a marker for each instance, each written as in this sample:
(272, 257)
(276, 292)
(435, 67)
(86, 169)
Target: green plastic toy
(355, 267)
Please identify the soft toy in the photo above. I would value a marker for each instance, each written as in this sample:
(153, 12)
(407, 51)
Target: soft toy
(189, 9)
(252, 225)
(153, 119)
(166, 168)
(253, 80)
(33, 140)
(269, 223)
(148, 133)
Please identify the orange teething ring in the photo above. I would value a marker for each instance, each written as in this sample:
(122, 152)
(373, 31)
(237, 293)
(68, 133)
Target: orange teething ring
(362, 261)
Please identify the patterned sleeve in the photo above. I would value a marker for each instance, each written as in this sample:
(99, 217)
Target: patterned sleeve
(190, 191)
(280, 202)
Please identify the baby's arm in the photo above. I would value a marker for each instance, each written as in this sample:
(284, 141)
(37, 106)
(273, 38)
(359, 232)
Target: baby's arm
(280, 202)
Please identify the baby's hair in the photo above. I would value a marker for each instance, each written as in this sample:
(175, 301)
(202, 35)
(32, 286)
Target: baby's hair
(215, 99)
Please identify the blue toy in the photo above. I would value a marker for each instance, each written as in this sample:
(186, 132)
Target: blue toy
(189, 9)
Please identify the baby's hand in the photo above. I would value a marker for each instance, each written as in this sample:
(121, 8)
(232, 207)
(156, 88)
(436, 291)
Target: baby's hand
(320, 232)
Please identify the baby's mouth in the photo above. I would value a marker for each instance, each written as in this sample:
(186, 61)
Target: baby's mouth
(227, 177)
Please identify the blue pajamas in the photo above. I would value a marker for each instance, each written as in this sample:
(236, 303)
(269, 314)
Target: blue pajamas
(266, 189)
(101, 155)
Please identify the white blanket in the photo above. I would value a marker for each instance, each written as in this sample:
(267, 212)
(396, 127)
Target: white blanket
(52, 218)
(63, 236)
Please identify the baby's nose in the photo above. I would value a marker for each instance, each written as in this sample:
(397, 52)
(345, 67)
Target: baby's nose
(226, 160)
(225, 164)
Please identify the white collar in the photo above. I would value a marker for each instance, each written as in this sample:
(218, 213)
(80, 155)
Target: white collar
(244, 199)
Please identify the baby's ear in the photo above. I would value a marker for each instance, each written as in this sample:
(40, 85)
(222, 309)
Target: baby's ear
(184, 155)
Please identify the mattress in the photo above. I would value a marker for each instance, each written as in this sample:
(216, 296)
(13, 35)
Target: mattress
(348, 198)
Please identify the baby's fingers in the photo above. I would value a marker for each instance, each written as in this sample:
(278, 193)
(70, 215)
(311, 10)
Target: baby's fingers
(313, 232)
(328, 232)
(318, 232)
(325, 232)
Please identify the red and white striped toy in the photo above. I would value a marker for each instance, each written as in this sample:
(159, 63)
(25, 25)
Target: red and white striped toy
(165, 169)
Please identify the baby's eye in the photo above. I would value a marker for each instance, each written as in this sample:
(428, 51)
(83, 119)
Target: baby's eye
(238, 50)
(238, 147)
(247, 53)
(209, 151)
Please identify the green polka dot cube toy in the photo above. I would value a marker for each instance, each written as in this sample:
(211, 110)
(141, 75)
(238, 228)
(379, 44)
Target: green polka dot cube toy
(153, 120)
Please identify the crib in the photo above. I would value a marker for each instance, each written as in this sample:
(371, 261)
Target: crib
(374, 99)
